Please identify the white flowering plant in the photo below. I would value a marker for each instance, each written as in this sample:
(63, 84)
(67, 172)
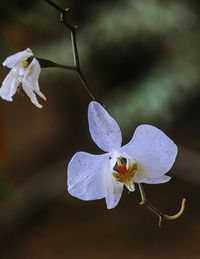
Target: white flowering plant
(146, 159)
(25, 71)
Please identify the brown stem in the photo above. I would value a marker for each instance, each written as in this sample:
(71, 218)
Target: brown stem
(73, 29)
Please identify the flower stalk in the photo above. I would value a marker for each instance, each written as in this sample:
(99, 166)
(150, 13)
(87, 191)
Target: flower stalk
(72, 29)
(79, 157)
(45, 63)
(158, 213)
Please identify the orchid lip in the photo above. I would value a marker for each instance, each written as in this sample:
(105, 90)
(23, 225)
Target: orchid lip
(124, 171)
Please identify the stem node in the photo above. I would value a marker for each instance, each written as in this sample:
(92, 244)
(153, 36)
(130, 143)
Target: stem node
(72, 29)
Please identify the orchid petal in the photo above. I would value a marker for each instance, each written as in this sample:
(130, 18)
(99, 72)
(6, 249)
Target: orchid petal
(30, 82)
(103, 128)
(14, 59)
(158, 180)
(114, 191)
(31, 95)
(86, 176)
(154, 151)
(9, 86)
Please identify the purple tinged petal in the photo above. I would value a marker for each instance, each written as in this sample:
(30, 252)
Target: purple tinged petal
(154, 151)
(30, 82)
(14, 59)
(86, 176)
(9, 86)
(114, 191)
(103, 128)
(159, 180)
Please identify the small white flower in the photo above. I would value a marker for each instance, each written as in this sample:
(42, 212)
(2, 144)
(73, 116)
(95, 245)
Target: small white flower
(145, 159)
(22, 73)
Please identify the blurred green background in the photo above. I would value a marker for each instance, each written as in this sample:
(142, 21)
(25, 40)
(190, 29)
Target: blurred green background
(142, 60)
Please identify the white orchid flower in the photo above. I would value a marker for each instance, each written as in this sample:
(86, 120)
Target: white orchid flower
(145, 159)
(22, 73)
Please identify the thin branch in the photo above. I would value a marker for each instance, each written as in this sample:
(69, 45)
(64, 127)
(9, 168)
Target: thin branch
(58, 8)
(45, 63)
(72, 30)
(85, 84)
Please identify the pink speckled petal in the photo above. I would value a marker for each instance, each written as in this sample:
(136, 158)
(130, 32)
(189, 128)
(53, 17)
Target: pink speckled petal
(103, 128)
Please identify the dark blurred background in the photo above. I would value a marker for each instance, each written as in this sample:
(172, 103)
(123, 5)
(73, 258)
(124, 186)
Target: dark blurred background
(142, 61)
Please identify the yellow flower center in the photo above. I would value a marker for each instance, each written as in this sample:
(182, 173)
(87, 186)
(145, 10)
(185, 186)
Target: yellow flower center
(124, 173)
(24, 63)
